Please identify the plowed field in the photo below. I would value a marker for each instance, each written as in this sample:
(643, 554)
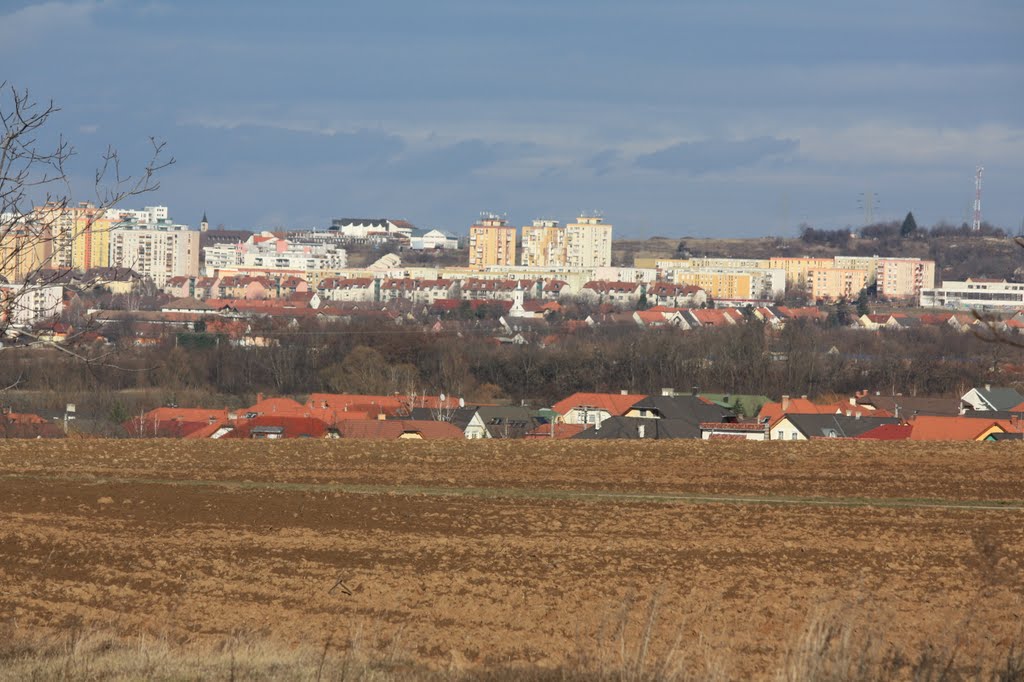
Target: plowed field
(492, 554)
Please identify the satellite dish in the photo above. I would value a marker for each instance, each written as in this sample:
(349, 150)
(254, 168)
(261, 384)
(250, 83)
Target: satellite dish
(442, 396)
(462, 402)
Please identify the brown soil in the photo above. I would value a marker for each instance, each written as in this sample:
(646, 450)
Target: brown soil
(517, 553)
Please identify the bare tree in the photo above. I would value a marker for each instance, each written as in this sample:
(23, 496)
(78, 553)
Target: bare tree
(35, 201)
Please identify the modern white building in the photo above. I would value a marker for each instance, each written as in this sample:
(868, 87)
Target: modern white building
(157, 249)
(422, 240)
(980, 294)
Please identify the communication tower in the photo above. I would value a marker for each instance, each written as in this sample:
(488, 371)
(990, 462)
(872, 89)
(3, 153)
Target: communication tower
(976, 226)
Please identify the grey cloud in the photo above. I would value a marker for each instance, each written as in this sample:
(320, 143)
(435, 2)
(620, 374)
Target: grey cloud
(459, 159)
(706, 156)
(604, 161)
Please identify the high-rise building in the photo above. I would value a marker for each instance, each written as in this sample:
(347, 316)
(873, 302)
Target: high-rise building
(81, 234)
(492, 241)
(543, 244)
(24, 248)
(159, 250)
(588, 243)
(903, 277)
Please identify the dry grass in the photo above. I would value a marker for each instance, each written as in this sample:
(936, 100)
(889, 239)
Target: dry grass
(627, 650)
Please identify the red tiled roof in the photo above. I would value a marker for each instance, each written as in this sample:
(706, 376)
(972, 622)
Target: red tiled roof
(888, 432)
(954, 428)
(293, 426)
(395, 429)
(614, 404)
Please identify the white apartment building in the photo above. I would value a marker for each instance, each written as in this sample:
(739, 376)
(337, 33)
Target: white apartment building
(158, 249)
(979, 294)
(588, 243)
(26, 304)
(266, 253)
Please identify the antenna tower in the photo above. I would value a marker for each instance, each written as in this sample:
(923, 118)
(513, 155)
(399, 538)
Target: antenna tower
(977, 199)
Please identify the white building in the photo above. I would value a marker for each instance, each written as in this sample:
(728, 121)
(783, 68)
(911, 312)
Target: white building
(432, 239)
(981, 294)
(26, 304)
(588, 243)
(372, 228)
(158, 249)
(269, 254)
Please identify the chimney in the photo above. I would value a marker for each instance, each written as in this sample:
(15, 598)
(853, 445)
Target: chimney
(785, 403)
(849, 413)
(988, 387)
(259, 397)
(803, 397)
(623, 392)
(381, 416)
(857, 416)
(853, 401)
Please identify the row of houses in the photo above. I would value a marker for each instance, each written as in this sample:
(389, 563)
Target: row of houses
(983, 413)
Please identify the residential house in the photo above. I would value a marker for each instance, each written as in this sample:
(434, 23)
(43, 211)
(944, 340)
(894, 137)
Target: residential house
(592, 408)
(810, 426)
(991, 398)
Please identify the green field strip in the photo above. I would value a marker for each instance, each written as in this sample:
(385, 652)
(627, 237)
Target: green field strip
(539, 493)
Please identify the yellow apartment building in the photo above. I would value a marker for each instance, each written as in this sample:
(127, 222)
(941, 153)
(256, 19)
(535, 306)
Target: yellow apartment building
(23, 250)
(492, 241)
(543, 244)
(718, 285)
(81, 234)
(832, 284)
(796, 268)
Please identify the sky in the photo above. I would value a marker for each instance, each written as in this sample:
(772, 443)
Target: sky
(671, 118)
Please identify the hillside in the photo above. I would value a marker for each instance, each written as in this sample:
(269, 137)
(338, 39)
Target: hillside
(956, 257)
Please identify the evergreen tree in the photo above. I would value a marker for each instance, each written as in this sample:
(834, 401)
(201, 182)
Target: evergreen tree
(909, 227)
(862, 303)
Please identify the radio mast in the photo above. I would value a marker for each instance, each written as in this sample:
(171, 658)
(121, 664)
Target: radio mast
(977, 199)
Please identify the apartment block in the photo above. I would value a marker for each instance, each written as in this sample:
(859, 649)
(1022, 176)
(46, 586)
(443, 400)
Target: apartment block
(903, 277)
(158, 250)
(543, 244)
(81, 234)
(718, 284)
(832, 284)
(588, 243)
(24, 248)
(492, 241)
(796, 268)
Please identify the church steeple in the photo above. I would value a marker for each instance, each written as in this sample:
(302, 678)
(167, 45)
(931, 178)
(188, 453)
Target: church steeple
(204, 225)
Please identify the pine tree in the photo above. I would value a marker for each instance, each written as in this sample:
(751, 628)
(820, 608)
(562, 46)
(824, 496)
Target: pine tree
(909, 227)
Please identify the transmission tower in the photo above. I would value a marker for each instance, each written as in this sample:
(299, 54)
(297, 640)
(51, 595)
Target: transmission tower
(869, 202)
(976, 226)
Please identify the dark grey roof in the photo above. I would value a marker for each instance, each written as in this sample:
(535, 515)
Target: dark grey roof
(1001, 398)
(836, 425)
(683, 407)
(910, 406)
(509, 422)
(459, 418)
(629, 427)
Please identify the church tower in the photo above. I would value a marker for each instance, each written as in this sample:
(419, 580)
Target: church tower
(204, 225)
